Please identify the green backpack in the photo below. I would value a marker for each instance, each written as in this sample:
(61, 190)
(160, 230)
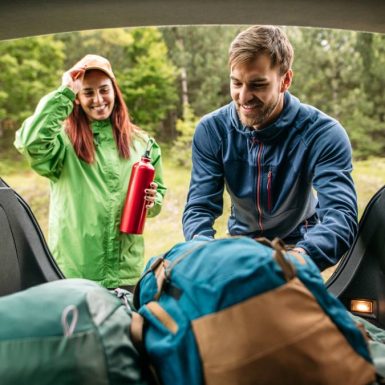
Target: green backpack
(64, 332)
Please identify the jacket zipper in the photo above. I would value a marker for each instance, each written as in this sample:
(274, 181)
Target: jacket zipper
(269, 177)
(259, 208)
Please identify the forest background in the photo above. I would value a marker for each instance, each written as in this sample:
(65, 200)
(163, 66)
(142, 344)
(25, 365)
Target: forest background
(172, 76)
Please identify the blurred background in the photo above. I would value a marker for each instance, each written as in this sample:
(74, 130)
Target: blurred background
(171, 77)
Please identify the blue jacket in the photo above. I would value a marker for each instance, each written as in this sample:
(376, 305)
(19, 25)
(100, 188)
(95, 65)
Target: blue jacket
(270, 175)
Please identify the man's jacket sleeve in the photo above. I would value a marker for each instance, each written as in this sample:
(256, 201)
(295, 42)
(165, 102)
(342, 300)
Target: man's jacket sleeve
(327, 241)
(40, 139)
(205, 196)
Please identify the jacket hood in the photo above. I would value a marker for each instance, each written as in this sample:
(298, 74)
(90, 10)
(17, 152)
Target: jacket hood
(276, 129)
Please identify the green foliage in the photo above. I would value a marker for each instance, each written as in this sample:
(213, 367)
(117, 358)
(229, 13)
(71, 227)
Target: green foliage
(12, 162)
(337, 71)
(107, 42)
(148, 81)
(29, 68)
(324, 67)
(181, 152)
(366, 131)
(202, 51)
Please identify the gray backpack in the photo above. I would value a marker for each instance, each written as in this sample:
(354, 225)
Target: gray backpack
(64, 332)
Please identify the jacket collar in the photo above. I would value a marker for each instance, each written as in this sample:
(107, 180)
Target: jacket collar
(275, 130)
(102, 131)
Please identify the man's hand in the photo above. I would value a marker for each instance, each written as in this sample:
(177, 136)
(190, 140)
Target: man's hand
(299, 250)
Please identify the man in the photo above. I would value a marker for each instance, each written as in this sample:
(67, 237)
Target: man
(271, 151)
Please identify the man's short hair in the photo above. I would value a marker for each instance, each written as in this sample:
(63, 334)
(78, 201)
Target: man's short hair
(262, 39)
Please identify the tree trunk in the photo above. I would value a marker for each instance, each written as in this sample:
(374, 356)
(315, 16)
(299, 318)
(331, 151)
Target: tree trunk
(183, 79)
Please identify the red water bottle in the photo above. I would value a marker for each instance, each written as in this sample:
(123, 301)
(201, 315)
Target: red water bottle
(134, 211)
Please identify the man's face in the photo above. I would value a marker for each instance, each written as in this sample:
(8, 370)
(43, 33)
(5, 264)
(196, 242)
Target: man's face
(257, 90)
(97, 96)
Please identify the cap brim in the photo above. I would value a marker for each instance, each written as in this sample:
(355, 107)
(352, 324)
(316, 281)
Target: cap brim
(107, 72)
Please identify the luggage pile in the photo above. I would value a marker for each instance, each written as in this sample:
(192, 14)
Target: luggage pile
(228, 311)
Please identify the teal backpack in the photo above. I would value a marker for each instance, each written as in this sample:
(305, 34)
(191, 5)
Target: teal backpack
(237, 311)
(67, 332)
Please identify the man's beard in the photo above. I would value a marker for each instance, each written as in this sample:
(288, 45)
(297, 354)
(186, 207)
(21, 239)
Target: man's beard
(257, 121)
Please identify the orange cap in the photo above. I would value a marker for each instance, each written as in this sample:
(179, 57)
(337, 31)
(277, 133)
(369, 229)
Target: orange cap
(95, 62)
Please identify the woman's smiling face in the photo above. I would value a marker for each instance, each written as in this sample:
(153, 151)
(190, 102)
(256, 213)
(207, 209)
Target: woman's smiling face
(97, 96)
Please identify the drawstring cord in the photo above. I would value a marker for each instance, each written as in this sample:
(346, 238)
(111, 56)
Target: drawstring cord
(68, 329)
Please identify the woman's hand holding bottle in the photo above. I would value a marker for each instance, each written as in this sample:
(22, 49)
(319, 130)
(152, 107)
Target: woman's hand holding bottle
(150, 195)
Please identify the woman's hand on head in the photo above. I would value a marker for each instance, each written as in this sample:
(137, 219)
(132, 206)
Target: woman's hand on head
(73, 79)
(150, 195)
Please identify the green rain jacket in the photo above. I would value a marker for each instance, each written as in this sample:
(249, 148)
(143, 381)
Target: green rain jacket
(87, 199)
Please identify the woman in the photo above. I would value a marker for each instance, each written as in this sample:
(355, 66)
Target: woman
(81, 138)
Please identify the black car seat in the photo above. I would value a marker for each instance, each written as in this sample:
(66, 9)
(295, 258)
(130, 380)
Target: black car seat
(359, 279)
(25, 259)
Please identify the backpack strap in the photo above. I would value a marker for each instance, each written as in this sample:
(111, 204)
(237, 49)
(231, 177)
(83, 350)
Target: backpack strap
(162, 270)
(288, 269)
(136, 331)
(154, 267)
(160, 275)
(136, 334)
(166, 320)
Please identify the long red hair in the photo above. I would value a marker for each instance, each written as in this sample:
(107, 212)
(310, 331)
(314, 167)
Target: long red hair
(79, 131)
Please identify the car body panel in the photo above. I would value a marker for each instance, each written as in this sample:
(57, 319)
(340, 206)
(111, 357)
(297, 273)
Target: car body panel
(21, 18)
